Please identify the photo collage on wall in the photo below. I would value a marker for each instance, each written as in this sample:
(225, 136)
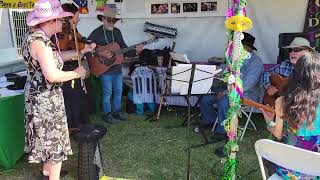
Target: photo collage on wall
(176, 8)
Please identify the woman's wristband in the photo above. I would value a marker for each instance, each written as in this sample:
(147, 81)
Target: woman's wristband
(270, 124)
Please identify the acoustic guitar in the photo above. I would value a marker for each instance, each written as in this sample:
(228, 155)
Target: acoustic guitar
(278, 81)
(248, 102)
(99, 64)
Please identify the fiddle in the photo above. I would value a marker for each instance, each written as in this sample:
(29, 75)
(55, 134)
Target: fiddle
(67, 41)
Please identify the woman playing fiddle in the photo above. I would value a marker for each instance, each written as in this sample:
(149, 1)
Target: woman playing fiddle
(75, 98)
(46, 131)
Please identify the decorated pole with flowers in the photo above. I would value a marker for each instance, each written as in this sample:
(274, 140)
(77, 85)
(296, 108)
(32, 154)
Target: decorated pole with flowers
(236, 23)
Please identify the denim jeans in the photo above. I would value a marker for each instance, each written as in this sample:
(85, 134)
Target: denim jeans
(208, 112)
(111, 92)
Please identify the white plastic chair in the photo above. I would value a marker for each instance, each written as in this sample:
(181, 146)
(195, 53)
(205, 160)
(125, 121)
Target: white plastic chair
(287, 156)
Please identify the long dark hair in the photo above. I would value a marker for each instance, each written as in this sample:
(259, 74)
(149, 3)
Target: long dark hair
(302, 93)
(69, 7)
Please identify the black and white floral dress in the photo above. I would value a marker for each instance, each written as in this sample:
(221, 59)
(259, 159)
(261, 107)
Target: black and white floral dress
(47, 137)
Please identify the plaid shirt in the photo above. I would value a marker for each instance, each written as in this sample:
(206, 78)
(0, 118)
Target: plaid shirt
(284, 69)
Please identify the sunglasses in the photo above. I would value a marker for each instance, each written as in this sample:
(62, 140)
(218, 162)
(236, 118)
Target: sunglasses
(296, 49)
(111, 20)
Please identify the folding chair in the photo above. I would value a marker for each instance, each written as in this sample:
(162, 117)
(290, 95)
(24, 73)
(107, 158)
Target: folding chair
(247, 112)
(290, 157)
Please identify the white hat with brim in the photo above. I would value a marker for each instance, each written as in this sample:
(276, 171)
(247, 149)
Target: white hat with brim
(299, 42)
(108, 12)
(46, 10)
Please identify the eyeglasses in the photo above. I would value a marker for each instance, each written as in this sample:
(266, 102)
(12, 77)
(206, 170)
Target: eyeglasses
(111, 20)
(296, 49)
(61, 20)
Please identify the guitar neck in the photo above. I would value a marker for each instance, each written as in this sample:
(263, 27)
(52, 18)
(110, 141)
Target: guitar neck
(127, 49)
(249, 102)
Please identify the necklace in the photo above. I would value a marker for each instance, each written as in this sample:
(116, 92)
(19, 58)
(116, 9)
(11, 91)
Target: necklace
(106, 37)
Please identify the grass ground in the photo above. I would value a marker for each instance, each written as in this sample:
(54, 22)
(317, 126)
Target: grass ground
(139, 149)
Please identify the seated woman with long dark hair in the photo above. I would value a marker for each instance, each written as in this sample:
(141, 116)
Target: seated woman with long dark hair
(297, 121)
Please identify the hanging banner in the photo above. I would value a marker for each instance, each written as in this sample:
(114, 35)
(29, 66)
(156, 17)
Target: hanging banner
(17, 4)
(83, 6)
(312, 23)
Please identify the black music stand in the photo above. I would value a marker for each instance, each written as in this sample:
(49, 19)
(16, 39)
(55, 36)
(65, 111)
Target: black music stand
(187, 92)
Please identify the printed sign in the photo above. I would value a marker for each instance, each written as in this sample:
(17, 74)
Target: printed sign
(18, 4)
(312, 23)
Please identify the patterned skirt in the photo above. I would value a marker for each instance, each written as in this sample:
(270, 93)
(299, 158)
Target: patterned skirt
(47, 137)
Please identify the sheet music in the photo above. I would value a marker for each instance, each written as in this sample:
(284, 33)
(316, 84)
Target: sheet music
(202, 82)
(203, 79)
(176, 84)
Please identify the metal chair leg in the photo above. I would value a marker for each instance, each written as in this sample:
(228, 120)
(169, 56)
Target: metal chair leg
(247, 122)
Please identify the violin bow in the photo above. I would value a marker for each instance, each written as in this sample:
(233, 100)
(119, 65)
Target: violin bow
(78, 55)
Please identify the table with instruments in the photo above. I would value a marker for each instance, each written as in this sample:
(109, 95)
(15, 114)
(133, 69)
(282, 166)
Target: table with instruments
(11, 130)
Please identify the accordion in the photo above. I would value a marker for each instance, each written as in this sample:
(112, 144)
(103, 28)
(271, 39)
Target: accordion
(160, 31)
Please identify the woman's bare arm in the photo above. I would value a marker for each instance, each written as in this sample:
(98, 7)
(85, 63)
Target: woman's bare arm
(278, 128)
(44, 56)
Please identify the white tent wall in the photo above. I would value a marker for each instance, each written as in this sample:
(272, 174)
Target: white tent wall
(5, 35)
(199, 38)
(272, 17)
(204, 37)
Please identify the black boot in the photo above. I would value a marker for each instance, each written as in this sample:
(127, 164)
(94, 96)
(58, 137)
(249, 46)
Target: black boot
(220, 152)
(109, 119)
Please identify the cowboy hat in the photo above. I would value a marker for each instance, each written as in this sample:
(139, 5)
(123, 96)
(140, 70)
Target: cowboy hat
(107, 12)
(299, 42)
(46, 10)
(249, 40)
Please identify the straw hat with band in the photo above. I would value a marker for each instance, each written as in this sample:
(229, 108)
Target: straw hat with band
(108, 12)
(299, 42)
(46, 10)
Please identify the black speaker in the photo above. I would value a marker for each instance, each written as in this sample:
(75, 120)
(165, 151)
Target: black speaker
(87, 138)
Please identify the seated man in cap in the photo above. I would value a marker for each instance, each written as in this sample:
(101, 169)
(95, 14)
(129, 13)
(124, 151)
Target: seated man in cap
(251, 72)
(297, 48)
(111, 80)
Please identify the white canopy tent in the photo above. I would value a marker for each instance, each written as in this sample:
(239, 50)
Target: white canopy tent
(202, 37)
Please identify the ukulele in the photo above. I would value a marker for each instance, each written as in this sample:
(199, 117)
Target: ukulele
(99, 65)
(278, 81)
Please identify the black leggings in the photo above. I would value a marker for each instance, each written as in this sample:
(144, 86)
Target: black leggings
(76, 103)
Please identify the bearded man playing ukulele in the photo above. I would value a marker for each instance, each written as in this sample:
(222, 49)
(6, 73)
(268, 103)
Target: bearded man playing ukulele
(111, 80)
(297, 48)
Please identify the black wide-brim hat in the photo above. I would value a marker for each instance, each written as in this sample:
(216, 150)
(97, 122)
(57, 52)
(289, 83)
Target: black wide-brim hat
(249, 40)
